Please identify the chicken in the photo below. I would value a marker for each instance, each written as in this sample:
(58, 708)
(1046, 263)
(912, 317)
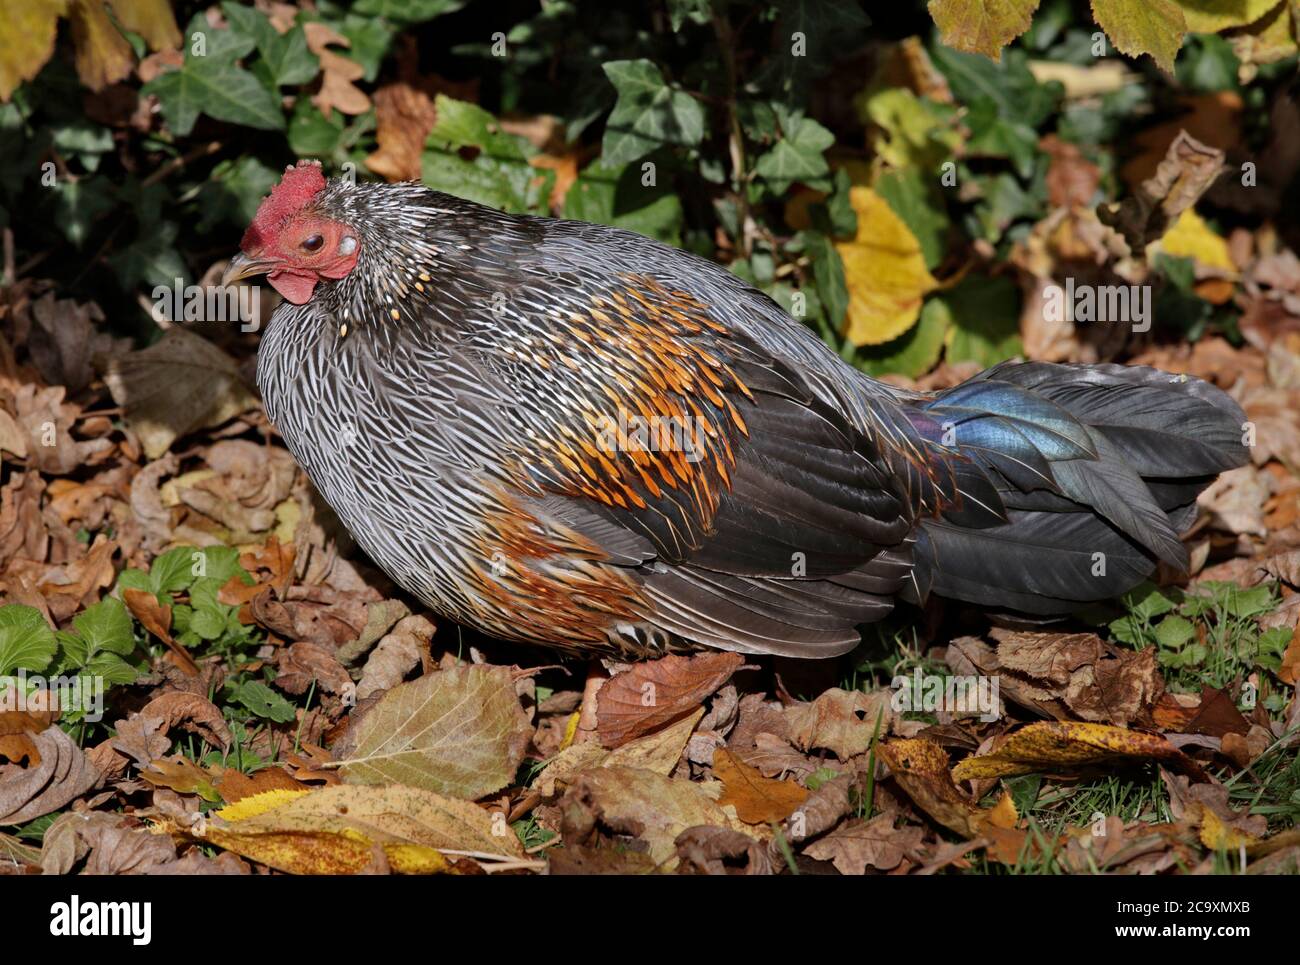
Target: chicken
(571, 435)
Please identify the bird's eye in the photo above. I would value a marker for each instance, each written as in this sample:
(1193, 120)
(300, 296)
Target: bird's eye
(312, 243)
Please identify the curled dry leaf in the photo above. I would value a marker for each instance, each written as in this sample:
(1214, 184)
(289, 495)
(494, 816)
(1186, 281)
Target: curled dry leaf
(399, 653)
(157, 619)
(719, 851)
(193, 713)
(1188, 170)
(62, 775)
(1055, 745)
(461, 732)
(651, 694)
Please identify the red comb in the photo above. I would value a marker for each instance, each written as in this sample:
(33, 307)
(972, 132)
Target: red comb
(298, 186)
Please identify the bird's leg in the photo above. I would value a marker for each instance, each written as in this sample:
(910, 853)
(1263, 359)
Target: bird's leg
(596, 677)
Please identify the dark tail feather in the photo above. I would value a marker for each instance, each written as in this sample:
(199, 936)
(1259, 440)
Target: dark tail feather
(1097, 469)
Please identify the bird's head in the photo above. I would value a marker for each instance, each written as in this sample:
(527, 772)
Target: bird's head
(292, 241)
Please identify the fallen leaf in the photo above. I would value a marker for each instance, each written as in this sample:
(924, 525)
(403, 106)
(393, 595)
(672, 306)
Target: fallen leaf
(332, 830)
(653, 693)
(757, 799)
(1056, 745)
(460, 732)
(398, 653)
(177, 385)
(659, 752)
(857, 844)
(62, 775)
(191, 712)
(157, 619)
(646, 805)
(843, 721)
(1187, 171)
(718, 851)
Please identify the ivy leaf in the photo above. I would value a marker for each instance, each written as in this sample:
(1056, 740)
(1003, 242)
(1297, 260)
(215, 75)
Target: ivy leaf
(1138, 27)
(79, 203)
(985, 320)
(407, 11)
(498, 174)
(233, 191)
(797, 156)
(614, 195)
(212, 83)
(982, 26)
(285, 56)
(26, 640)
(913, 353)
(648, 114)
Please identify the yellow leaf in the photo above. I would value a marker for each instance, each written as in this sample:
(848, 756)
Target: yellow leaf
(1191, 237)
(335, 830)
(27, 40)
(1217, 835)
(256, 804)
(103, 56)
(1053, 745)
(1211, 16)
(982, 26)
(151, 19)
(885, 272)
(1138, 27)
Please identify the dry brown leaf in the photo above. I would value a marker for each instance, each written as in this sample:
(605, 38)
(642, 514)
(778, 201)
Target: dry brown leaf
(757, 799)
(651, 694)
(157, 619)
(1187, 171)
(179, 384)
(337, 72)
(182, 775)
(659, 752)
(193, 713)
(404, 648)
(841, 721)
(641, 803)
(404, 116)
(717, 851)
(62, 775)
(857, 844)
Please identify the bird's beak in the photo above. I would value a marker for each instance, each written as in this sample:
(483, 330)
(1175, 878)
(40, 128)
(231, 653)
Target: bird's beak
(242, 266)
